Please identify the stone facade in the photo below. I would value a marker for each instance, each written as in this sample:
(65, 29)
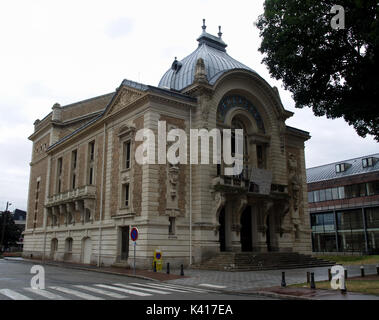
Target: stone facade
(82, 175)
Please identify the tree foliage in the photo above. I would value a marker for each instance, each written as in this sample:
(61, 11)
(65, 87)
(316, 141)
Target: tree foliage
(334, 72)
(12, 232)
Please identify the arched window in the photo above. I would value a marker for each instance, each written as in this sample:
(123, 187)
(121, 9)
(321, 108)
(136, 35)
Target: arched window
(238, 124)
(54, 245)
(68, 245)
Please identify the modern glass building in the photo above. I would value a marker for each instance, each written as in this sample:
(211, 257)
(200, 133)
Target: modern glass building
(343, 202)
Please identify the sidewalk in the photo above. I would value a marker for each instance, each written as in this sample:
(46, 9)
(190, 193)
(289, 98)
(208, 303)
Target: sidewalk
(144, 274)
(312, 294)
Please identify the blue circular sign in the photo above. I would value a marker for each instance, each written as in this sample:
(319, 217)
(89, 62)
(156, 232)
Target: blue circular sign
(158, 255)
(134, 234)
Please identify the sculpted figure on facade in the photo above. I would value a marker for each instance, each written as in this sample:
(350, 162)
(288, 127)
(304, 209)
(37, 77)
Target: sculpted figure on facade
(294, 180)
(173, 177)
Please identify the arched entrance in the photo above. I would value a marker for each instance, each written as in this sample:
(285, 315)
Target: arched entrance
(53, 248)
(221, 221)
(87, 250)
(268, 234)
(246, 230)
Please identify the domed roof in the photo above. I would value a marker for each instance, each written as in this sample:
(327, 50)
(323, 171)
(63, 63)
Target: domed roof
(212, 50)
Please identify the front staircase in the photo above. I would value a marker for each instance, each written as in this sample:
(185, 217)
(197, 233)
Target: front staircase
(253, 261)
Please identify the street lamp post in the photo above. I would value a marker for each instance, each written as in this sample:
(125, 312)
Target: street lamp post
(5, 213)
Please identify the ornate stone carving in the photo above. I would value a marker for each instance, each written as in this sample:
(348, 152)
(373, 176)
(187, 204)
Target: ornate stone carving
(127, 97)
(282, 134)
(266, 211)
(218, 205)
(295, 185)
(205, 107)
(173, 177)
(200, 72)
(237, 228)
(241, 205)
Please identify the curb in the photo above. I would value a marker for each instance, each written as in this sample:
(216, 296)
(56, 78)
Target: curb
(83, 268)
(280, 296)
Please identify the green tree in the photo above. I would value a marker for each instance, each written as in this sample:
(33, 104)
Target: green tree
(334, 72)
(12, 232)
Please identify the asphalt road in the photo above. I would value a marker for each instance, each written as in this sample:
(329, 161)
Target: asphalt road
(70, 284)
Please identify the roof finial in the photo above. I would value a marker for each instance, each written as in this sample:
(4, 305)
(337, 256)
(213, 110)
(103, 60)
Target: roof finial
(219, 32)
(204, 26)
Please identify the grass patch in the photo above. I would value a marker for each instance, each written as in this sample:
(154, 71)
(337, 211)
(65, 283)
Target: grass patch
(351, 260)
(352, 285)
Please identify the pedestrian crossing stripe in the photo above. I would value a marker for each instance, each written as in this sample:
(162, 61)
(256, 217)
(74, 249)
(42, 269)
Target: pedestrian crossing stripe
(176, 288)
(104, 290)
(212, 285)
(154, 286)
(76, 293)
(143, 289)
(137, 293)
(45, 294)
(13, 294)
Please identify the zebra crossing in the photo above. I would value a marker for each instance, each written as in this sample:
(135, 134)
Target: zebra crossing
(99, 291)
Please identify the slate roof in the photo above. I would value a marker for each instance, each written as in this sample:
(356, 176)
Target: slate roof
(109, 98)
(212, 50)
(328, 171)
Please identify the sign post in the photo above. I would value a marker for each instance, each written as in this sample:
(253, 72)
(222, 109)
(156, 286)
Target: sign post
(134, 237)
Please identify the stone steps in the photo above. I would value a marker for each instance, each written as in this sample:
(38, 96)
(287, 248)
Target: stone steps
(248, 261)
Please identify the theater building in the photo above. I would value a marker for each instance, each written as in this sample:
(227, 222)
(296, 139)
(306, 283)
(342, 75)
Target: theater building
(344, 206)
(87, 190)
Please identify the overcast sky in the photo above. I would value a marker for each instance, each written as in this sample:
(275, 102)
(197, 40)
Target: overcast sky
(67, 51)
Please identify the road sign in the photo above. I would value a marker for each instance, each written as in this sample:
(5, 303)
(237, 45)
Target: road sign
(158, 259)
(134, 234)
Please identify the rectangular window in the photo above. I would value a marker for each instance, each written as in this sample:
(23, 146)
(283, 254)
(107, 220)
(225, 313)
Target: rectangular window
(348, 192)
(372, 188)
(362, 189)
(317, 195)
(91, 162)
(171, 227)
(340, 167)
(261, 156)
(127, 145)
(310, 197)
(328, 194)
(74, 157)
(335, 194)
(322, 195)
(341, 192)
(59, 174)
(60, 166)
(367, 162)
(92, 150)
(37, 191)
(73, 181)
(125, 195)
(372, 217)
(90, 179)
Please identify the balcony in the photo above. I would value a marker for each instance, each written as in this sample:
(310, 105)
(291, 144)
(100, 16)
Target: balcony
(251, 180)
(86, 192)
(79, 201)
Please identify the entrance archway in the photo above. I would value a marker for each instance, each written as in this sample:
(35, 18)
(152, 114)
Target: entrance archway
(222, 239)
(87, 250)
(246, 230)
(124, 243)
